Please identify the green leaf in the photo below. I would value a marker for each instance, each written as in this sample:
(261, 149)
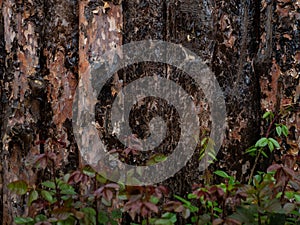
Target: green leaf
(266, 114)
(102, 217)
(101, 179)
(154, 200)
(262, 142)
(285, 130)
(47, 196)
(271, 146)
(69, 221)
(49, 184)
(66, 189)
(245, 215)
(251, 149)
(89, 216)
(116, 214)
(218, 210)
(23, 220)
(68, 192)
(113, 222)
(297, 197)
(221, 174)
(275, 143)
(87, 170)
(192, 196)
(63, 186)
(157, 158)
(40, 218)
(19, 187)
(162, 222)
(278, 130)
(273, 206)
(188, 203)
(171, 216)
(33, 195)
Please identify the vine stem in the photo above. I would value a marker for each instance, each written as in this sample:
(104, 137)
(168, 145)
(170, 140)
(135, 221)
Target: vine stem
(260, 150)
(259, 213)
(254, 166)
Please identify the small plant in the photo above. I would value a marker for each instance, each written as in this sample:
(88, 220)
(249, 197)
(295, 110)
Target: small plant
(267, 142)
(60, 200)
(85, 197)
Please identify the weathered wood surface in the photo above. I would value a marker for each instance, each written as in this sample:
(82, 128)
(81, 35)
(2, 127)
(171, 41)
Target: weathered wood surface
(38, 81)
(46, 46)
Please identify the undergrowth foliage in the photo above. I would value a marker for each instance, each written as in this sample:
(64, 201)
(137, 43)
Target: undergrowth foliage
(85, 197)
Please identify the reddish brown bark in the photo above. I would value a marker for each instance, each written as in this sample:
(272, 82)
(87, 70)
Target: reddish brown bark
(46, 46)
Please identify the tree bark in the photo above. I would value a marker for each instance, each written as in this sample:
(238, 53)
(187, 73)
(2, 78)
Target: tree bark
(37, 86)
(46, 47)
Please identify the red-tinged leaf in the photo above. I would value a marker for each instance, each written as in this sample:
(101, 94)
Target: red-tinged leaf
(217, 221)
(144, 211)
(199, 193)
(113, 186)
(151, 206)
(108, 195)
(133, 208)
(289, 172)
(274, 167)
(134, 198)
(79, 215)
(99, 191)
(127, 151)
(173, 206)
(216, 191)
(231, 221)
(76, 177)
(61, 213)
(163, 189)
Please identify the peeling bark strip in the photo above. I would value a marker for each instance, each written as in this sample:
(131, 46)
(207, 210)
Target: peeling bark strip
(100, 26)
(22, 60)
(41, 47)
(60, 54)
(40, 56)
(59, 65)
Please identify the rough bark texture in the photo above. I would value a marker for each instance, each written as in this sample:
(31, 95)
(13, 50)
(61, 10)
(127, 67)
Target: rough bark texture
(19, 128)
(47, 46)
(37, 85)
(280, 53)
